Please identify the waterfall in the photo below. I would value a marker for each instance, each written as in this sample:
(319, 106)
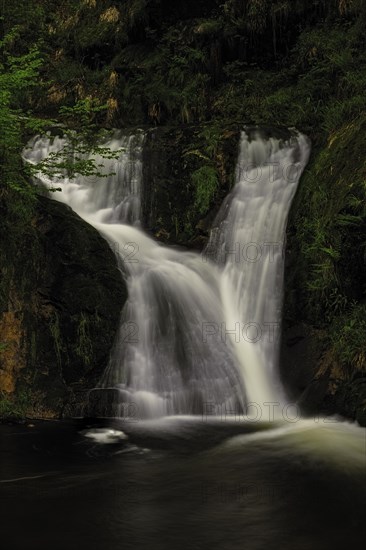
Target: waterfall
(114, 196)
(198, 332)
(248, 240)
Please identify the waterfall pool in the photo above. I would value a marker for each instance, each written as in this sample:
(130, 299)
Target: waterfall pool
(182, 483)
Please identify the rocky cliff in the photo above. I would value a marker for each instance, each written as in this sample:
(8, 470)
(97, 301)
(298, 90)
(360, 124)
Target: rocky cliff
(61, 298)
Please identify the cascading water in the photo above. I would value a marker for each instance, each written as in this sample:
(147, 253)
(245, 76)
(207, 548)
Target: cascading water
(196, 330)
(114, 196)
(248, 242)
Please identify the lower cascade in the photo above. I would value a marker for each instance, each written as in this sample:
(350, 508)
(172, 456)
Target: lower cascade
(199, 333)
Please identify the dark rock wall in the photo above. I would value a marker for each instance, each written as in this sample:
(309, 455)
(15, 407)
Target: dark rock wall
(65, 295)
(171, 156)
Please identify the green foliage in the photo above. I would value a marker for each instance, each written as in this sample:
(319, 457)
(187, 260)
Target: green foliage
(205, 182)
(339, 111)
(347, 338)
(18, 75)
(151, 62)
(15, 407)
(72, 160)
(174, 82)
(79, 153)
(205, 178)
(331, 231)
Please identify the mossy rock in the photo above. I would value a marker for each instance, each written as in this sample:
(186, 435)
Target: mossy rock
(174, 209)
(65, 300)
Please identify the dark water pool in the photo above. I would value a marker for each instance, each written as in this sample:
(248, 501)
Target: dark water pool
(181, 484)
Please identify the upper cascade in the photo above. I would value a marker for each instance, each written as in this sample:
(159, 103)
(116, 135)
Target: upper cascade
(114, 197)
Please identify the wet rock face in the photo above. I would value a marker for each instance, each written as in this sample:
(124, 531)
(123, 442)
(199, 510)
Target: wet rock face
(65, 297)
(171, 156)
(300, 355)
(318, 386)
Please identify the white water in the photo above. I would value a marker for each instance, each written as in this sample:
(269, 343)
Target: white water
(249, 241)
(198, 333)
(338, 444)
(115, 198)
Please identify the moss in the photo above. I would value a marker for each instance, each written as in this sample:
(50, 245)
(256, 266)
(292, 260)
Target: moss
(84, 348)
